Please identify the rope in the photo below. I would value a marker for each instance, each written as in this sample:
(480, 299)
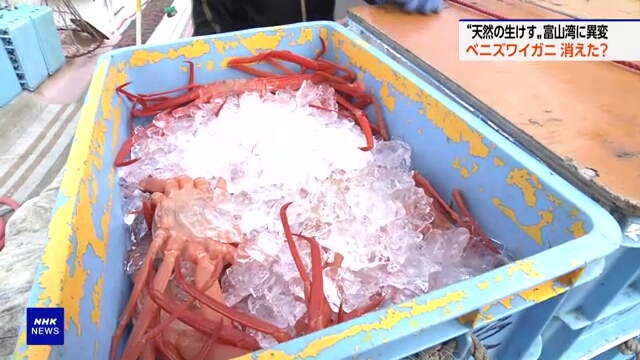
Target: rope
(631, 347)
(445, 351)
(628, 64)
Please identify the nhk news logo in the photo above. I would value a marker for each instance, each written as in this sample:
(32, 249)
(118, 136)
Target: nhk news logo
(45, 326)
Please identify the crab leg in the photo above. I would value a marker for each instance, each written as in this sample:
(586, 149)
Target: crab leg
(251, 71)
(174, 245)
(185, 306)
(279, 66)
(149, 308)
(349, 76)
(170, 103)
(208, 346)
(205, 270)
(169, 350)
(318, 310)
(249, 321)
(471, 223)
(355, 91)
(362, 121)
(319, 54)
(317, 64)
(226, 333)
(145, 99)
(159, 239)
(297, 260)
(149, 347)
(429, 190)
(125, 150)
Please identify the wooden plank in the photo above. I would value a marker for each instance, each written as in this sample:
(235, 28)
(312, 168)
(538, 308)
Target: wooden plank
(577, 117)
(594, 9)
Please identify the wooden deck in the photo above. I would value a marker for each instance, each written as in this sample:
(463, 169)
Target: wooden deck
(583, 119)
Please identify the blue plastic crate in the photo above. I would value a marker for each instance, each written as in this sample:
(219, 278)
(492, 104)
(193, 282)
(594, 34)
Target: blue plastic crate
(563, 343)
(21, 42)
(10, 85)
(590, 308)
(560, 234)
(616, 290)
(46, 30)
(616, 353)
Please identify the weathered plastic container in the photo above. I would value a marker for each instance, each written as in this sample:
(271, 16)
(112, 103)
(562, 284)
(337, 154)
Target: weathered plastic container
(600, 312)
(10, 85)
(616, 353)
(560, 341)
(45, 27)
(20, 40)
(561, 235)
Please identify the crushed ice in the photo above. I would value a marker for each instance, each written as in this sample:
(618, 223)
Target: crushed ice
(364, 208)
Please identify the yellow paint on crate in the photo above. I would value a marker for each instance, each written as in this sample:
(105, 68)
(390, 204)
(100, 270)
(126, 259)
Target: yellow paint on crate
(57, 290)
(457, 164)
(484, 285)
(536, 294)
(527, 182)
(386, 322)
(253, 43)
(388, 100)
(209, 65)
(451, 124)
(475, 167)
(262, 41)
(222, 46)
(574, 213)
(84, 218)
(542, 292)
(525, 266)
(477, 317)
(498, 161)
(577, 229)
(554, 200)
(96, 297)
(534, 231)
(193, 50)
(506, 302)
(307, 35)
(571, 278)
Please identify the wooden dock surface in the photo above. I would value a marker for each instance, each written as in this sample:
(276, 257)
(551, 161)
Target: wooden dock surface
(582, 118)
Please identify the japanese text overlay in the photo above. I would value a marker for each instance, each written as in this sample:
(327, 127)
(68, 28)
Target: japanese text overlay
(549, 40)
